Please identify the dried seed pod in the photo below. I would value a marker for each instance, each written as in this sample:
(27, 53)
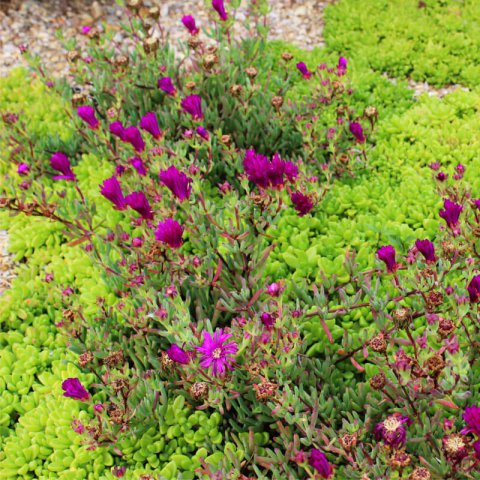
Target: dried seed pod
(378, 343)
(236, 90)
(165, 361)
(194, 42)
(79, 99)
(287, 56)
(151, 44)
(115, 358)
(199, 390)
(119, 384)
(433, 300)
(73, 56)
(85, 358)
(115, 414)
(154, 12)
(400, 460)
(435, 364)
(190, 85)
(121, 61)
(134, 5)
(210, 60)
(277, 102)
(226, 140)
(420, 473)
(251, 72)
(348, 441)
(264, 390)
(402, 317)
(212, 49)
(371, 112)
(378, 381)
(445, 327)
(68, 314)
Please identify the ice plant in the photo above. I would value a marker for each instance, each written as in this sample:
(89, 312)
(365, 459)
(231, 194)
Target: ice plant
(87, 114)
(357, 131)
(133, 136)
(451, 213)
(60, 162)
(137, 164)
(138, 202)
(427, 249)
(189, 23)
(149, 123)
(112, 191)
(74, 389)
(393, 430)
(319, 462)
(178, 355)
(170, 232)
(387, 255)
(217, 352)
(306, 73)
(472, 419)
(474, 289)
(177, 182)
(166, 84)
(23, 169)
(219, 7)
(303, 204)
(193, 106)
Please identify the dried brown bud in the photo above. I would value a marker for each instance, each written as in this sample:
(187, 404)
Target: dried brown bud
(265, 390)
(199, 390)
(435, 364)
(401, 317)
(194, 42)
(433, 300)
(114, 358)
(79, 99)
(420, 473)
(277, 102)
(151, 44)
(400, 460)
(212, 49)
(371, 112)
(445, 327)
(378, 343)
(94, 32)
(119, 384)
(165, 361)
(28, 208)
(287, 56)
(378, 381)
(338, 85)
(190, 85)
(134, 5)
(116, 415)
(93, 431)
(85, 358)
(251, 72)
(341, 110)
(226, 139)
(154, 12)
(210, 60)
(68, 314)
(348, 441)
(73, 56)
(236, 90)
(254, 369)
(121, 61)
(449, 249)
(427, 272)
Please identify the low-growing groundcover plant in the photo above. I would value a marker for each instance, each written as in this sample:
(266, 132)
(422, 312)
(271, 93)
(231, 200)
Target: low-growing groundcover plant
(177, 229)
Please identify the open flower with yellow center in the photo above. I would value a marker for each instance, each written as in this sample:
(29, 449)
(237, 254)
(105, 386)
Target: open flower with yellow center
(393, 430)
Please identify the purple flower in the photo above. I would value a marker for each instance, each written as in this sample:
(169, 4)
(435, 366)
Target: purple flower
(441, 176)
(202, 132)
(303, 203)
(476, 448)
(216, 353)
(166, 84)
(133, 136)
(74, 389)
(306, 73)
(137, 164)
(474, 289)
(23, 169)
(60, 162)
(178, 183)
(274, 289)
(460, 168)
(193, 106)
(138, 202)
(393, 430)
(87, 114)
(472, 419)
(149, 123)
(137, 242)
(85, 29)
(117, 129)
(319, 462)
(267, 319)
(427, 249)
(178, 355)
(451, 212)
(169, 232)
(387, 255)
(342, 66)
(219, 7)
(119, 472)
(189, 23)
(357, 131)
(112, 191)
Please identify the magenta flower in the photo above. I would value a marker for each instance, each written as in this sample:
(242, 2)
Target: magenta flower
(85, 29)
(138, 202)
(74, 389)
(189, 23)
(267, 319)
(178, 355)
(472, 419)
(303, 203)
(306, 73)
(393, 430)
(137, 164)
(133, 136)
(117, 129)
(319, 462)
(149, 123)
(169, 232)
(451, 213)
(166, 84)
(119, 472)
(427, 249)
(387, 255)
(23, 169)
(60, 162)
(219, 7)
(357, 131)
(216, 353)
(441, 176)
(112, 191)
(193, 106)
(474, 289)
(178, 183)
(341, 66)
(476, 449)
(87, 114)
(202, 132)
